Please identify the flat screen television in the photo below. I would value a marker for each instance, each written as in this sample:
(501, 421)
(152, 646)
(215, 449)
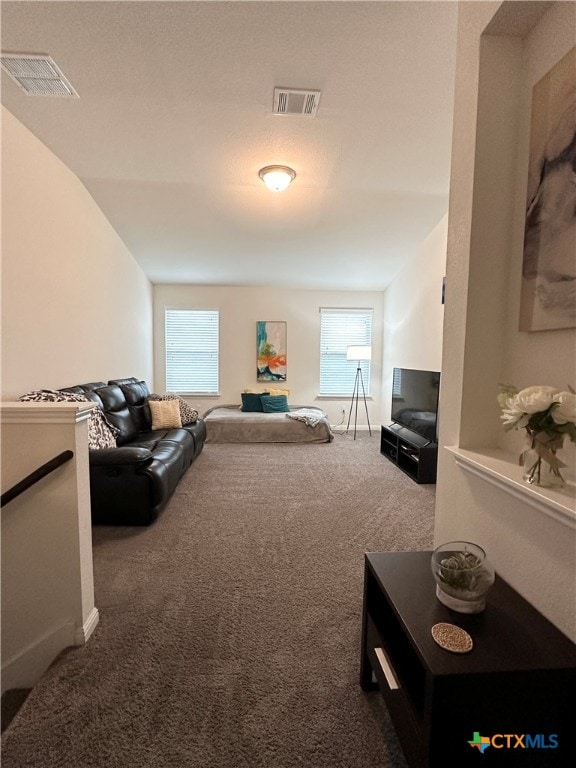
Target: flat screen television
(415, 400)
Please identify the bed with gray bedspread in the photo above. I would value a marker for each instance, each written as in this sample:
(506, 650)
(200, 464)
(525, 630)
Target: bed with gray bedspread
(229, 424)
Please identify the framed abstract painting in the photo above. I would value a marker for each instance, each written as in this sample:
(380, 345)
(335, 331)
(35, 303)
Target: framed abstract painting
(271, 350)
(548, 294)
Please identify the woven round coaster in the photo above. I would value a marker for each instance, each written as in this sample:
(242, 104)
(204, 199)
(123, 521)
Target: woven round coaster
(452, 638)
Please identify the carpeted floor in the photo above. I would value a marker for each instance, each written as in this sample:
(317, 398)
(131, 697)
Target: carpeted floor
(230, 629)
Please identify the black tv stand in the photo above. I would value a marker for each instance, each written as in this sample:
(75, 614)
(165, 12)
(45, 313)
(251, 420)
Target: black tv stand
(413, 454)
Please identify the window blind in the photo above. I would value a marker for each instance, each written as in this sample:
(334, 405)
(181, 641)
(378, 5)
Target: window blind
(339, 329)
(191, 351)
(397, 382)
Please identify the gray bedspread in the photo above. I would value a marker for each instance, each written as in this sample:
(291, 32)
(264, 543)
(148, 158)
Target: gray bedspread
(228, 424)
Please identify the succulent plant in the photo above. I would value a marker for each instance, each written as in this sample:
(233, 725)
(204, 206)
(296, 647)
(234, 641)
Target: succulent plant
(460, 570)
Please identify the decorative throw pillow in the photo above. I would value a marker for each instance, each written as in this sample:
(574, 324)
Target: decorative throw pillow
(275, 404)
(279, 391)
(165, 414)
(101, 434)
(188, 415)
(251, 402)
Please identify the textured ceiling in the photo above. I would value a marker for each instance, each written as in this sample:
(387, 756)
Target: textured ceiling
(174, 121)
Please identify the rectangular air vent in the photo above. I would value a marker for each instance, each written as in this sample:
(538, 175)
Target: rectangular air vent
(294, 101)
(36, 74)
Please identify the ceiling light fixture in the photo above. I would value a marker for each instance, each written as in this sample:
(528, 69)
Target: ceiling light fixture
(277, 177)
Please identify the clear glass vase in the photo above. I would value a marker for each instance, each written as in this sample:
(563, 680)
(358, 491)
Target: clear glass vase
(542, 467)
(463, 576)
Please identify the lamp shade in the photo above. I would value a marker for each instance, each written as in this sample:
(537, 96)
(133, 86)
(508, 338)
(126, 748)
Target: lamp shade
(359, 353)
(277, 177)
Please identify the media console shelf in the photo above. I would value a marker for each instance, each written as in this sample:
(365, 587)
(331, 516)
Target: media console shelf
(515, 687)
(412, 453)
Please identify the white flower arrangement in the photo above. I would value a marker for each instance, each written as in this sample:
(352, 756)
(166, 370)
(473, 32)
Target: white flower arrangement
(548, 415)
(538, 409)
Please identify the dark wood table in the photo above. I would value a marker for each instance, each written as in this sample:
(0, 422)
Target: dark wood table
(513, 696)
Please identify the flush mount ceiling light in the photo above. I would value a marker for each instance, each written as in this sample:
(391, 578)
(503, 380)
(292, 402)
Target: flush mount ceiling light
(277, 177)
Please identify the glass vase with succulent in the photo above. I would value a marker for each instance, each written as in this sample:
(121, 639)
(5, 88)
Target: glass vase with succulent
(548, 415)
(463, 576)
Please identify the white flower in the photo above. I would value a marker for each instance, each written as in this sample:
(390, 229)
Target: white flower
(547, 414)
(534, 399)
(512, 416)
(517, 407)
(565, 412)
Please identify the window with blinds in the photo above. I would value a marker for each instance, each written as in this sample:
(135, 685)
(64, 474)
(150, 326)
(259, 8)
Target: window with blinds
(397, 382)
(191, 351)
(339, 329)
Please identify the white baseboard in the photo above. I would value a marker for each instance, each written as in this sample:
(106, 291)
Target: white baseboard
(341, 428)
(83, 633)
(26, 667)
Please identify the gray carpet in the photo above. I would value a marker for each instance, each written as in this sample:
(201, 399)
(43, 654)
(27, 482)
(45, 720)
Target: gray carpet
(230, 629)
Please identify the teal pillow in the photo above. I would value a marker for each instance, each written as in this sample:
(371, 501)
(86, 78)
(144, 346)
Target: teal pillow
(251, 402)
(275, 404)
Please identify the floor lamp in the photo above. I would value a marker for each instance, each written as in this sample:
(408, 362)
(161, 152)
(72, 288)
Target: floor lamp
(358, 353)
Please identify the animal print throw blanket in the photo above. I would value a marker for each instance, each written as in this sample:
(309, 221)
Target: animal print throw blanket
(101, 433)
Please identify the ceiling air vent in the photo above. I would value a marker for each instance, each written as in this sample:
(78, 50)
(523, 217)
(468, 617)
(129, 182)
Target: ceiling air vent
(293, 101)
(36, 74)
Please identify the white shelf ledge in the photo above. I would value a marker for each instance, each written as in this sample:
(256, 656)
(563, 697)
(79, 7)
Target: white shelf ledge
(31, 412)
(501, 469)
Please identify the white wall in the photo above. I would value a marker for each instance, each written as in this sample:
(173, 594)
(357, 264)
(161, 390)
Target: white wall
(533, 550)
(76, 307)
(240, 308)
(47, 577)
(525, 352)
(414, 313)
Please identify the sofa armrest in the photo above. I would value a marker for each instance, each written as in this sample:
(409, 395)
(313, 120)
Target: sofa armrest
(123, 455)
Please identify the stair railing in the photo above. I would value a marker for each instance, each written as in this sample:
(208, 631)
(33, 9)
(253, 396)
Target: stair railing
(35, 476)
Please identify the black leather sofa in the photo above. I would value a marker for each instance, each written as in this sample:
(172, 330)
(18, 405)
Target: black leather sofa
(131, 484)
